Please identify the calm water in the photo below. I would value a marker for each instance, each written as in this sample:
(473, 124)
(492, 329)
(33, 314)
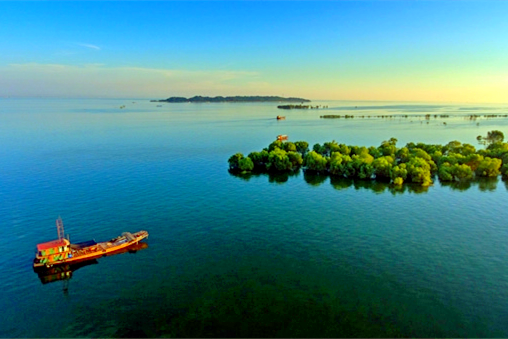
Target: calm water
(256, 256)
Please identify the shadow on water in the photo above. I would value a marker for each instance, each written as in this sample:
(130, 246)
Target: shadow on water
(261, 308)
(278, 178)
(257, 309)
(253, 309)
(376, 186)
(339, 183)
(314, 179)
(484, 184)
(61, 272)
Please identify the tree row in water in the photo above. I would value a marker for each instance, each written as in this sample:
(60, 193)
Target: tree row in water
(300, 107)
(416, 163)
(406, 116)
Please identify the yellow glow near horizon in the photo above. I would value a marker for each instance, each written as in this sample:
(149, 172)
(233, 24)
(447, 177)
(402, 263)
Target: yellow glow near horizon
(100, 81)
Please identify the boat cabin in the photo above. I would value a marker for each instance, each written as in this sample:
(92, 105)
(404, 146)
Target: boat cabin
(52, 251)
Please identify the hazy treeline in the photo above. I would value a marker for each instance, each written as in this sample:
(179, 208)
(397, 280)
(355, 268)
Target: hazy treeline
(300, 107)
(416, 163)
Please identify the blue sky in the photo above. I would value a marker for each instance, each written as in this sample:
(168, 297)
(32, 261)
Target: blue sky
(344, 50)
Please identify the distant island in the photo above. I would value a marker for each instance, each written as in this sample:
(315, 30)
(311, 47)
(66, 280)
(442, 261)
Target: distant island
(232, 99)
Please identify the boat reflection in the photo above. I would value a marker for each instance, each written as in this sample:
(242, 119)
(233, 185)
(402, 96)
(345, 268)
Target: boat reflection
(65, 271)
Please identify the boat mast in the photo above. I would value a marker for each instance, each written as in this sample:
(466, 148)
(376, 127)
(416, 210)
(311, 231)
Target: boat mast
(60, 228)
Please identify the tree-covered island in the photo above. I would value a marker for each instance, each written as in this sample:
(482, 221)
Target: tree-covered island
(201, 99)
(415, 163)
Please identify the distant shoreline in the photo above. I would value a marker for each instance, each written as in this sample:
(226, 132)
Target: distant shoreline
(201, 99)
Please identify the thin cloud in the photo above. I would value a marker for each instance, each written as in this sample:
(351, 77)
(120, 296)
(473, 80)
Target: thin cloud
(89, 46)
(98, 80)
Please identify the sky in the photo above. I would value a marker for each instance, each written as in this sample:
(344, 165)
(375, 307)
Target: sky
(425, 51)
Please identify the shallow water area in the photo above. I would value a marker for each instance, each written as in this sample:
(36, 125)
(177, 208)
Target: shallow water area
(257, 256)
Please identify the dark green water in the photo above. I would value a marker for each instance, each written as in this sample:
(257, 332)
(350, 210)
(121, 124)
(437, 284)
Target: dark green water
(246, 257)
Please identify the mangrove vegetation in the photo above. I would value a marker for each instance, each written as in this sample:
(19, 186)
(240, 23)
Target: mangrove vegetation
(300, 107)
(412, 116)
(418, 163)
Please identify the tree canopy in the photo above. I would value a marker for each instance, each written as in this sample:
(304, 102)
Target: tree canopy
(414, 163)
(492, 137)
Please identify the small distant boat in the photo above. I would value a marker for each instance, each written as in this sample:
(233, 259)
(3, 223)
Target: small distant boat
(280, 117)
(61, 251)
(282, 137)
(159, 105)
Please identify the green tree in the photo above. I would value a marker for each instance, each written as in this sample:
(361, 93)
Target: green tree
(375, 152)
(497, 149)
(420, 153)
(462, 172)
(344, 149)
(359, 150)
(289, 146)
(473, 160)
(278, 160)
(436, 156)
(430, 148)
(402, 155)
(445, 172)
(418, 170)
(452, 159)
(275, 144)
(388, 147)
(335, 163)
(318, 149)
(341, 164)
(455, 172)
(315, 162)
(492, 137)
(504, 170)
(362, 164)
(259, 159)
(234, 161)
(295, 159)
(489, 167)
(245, 164)
(399, 171)
(495, 136)
(330, 147)
(398, 181)
(383, 167)
(468, 149)
(453, 147)
(302, 147)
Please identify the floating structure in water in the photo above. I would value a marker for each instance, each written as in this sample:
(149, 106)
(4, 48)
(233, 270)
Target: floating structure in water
(61, 251)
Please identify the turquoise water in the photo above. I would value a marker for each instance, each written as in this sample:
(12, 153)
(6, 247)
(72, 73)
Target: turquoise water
(255, 256)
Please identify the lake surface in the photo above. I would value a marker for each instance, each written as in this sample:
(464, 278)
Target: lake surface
(255, 256)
